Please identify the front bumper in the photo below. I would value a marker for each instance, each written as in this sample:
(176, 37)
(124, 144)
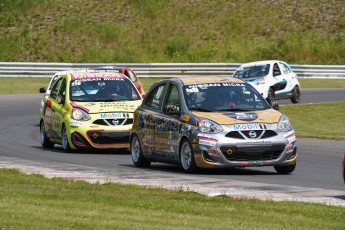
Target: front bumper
(231, 149)
(100, 136)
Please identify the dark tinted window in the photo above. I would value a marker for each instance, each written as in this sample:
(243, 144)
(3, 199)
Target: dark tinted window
(252, 71)
(173, 98)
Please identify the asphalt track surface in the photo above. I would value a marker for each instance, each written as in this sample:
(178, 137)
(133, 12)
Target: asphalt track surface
(317, 177)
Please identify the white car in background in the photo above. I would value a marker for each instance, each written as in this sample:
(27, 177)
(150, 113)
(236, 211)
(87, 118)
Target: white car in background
(273, 79)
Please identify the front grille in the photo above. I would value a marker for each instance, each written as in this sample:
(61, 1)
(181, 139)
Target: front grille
(259, 134)
(103, 138)
(252, 153)
(268, 134)
(114, 122)
(234, 134)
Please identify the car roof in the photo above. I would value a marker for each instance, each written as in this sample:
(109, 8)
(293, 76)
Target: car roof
(69, 71)
(260, 63)
(202, 80)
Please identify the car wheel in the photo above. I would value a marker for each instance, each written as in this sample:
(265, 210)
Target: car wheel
(46, 143)
(64, 140)
(270, 96)
(187, 157)
(137, 155)
(285, 169)
(296, 95)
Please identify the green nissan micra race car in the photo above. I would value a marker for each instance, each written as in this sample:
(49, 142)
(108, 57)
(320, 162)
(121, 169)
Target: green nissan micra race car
(89, 110)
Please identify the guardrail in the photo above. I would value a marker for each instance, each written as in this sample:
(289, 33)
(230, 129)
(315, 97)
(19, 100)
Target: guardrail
(32, 69)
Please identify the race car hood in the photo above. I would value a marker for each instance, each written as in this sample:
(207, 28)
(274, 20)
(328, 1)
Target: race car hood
(108, 107)
(228, 118)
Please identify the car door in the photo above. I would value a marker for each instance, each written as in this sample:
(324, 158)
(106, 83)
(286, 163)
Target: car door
(55, 109)
(151, 108)
(167, 137)
(280, 77)
(290, 76)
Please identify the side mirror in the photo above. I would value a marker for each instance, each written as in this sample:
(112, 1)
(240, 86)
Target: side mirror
(172, 109)
(43, 90)
(275, 105)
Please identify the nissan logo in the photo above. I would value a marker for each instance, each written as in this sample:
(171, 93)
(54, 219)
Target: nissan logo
(115, 122)
(252, 134)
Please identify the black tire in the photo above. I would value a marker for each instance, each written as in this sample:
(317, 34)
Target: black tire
(296, 95)
(137, 154)
(285, 169)
(64, 140)
(46, 143)
(270, 96)
(187, 159)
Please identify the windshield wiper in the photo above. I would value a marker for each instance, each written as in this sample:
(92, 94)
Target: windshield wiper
(105, 100)
(233, 110)
(199, 109)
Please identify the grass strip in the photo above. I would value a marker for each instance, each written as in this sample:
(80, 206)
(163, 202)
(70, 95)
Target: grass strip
(35, 202)
(322, 121)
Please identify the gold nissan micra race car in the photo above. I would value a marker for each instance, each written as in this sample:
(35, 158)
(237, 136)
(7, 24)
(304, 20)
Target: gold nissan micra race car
(211, 123)
(89, 110)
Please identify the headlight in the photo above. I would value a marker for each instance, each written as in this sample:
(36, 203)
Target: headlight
(208, 126)
(284, 124)
(80, 115)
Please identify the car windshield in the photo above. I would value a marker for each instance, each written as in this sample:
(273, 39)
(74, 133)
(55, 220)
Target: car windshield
(249, 72)
(212, 97)
(102, 89)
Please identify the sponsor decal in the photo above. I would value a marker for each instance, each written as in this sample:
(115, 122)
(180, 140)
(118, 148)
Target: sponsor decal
(90, 104)
(116, 106)
(104, 76)
(290, 136)
(196, 87)
(207, 142)
(250, 127)
(76, 123)
(243, 116)
(113, 115)
(260, 142)
(185, 118)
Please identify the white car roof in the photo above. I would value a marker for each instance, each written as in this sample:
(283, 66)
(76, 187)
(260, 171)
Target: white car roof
(69, 71)
(260, 63)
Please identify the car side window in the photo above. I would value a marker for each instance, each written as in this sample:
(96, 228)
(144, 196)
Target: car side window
(276, 70)
(286, 69)
(53, 81)
(55, 89)
(62, 92)
(154, 98)
(131, 75)
(172, 102)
